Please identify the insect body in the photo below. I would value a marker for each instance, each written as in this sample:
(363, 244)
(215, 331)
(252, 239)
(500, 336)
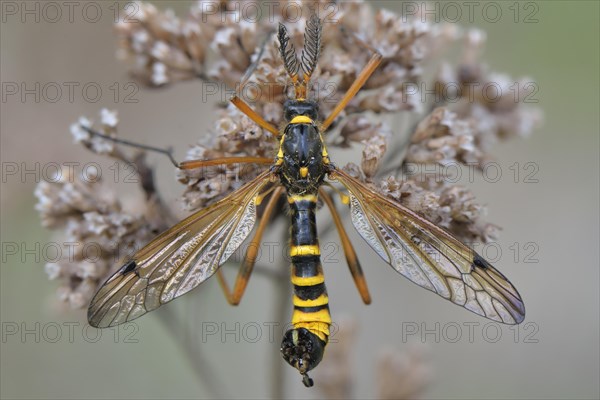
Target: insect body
(303, 164)
(190, 252)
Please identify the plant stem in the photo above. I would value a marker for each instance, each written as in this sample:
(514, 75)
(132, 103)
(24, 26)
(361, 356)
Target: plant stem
(200, 364)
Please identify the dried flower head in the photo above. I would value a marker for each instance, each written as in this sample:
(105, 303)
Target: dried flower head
(95, 228)
(216, 45)
(399, 374)
(496, 106)
(336, 372)
(402, 375)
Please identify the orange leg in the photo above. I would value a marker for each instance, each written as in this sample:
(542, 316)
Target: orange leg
(237, 101)
(192, 164)
(234, 297)
(354, 88)
(351, 258)
(253, 115)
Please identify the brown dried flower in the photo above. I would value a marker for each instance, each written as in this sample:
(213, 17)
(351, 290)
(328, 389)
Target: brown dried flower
(374, 149)
(402, 375)
(399, 374)
(336, 371)
(444, 138)
(450, 206)
(216, 45)
(96, 230)
(495, 106)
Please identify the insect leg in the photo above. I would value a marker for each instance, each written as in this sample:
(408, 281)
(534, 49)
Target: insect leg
(253, 115)
(187, 164)
(354, 88)
(192, 164)
(237, 101)
(234, 297)
(351, 257)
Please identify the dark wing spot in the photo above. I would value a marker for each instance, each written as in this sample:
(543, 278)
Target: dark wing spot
(127, 268)
(478, 261)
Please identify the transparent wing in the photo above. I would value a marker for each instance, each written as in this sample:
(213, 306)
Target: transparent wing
(179, 259)
(429, 256)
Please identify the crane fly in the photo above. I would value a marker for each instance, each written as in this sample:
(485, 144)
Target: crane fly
(190, 252)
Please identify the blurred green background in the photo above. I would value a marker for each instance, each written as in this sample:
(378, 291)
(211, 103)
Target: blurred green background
(560, 214)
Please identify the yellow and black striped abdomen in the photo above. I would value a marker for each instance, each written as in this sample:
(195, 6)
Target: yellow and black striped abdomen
(303, 345)
(311, 304)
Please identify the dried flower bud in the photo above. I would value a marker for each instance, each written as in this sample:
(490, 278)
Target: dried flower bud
(372, 154)
(443, 138)
(335, 374)
(163, 49)
(402, 375)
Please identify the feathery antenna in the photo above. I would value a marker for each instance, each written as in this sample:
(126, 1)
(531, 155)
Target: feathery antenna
(288, 52)
(312, 46)
(309, 57)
